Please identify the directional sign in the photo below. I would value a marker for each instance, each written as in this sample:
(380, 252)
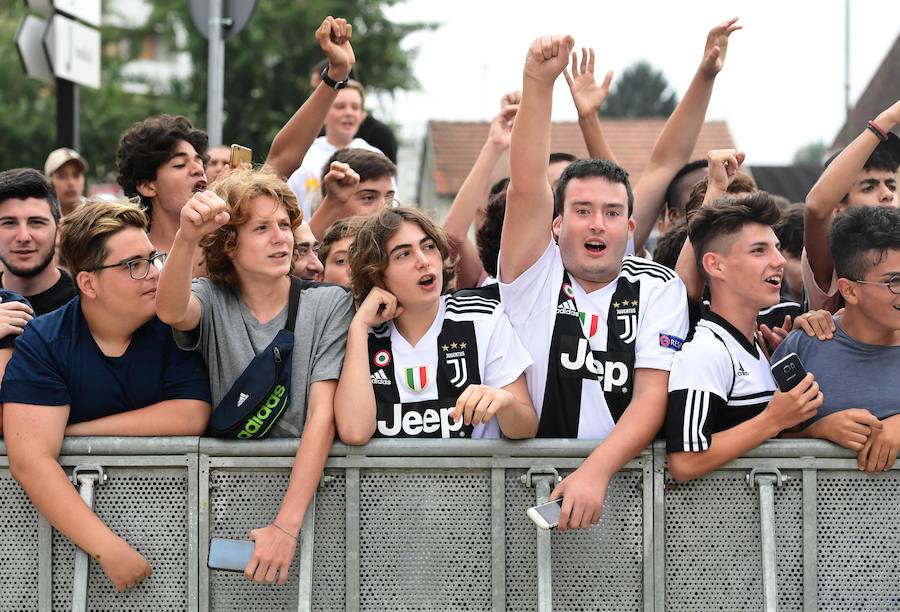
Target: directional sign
(74, 51)
(235, 15)
(39, 6)
(85, 10)
(29, 42)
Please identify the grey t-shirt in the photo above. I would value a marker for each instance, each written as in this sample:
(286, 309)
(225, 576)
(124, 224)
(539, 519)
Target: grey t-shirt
(851, 374)
(229, 336)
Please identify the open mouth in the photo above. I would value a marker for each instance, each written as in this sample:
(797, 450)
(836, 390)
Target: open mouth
(279, 255)
(199, 186)
(595, 246)
(774, 280)
(427, 281)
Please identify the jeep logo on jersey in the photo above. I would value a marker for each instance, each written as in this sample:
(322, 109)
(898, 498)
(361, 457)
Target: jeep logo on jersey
(456, 360)
(613, 374)
(626, 313)
(422, 422)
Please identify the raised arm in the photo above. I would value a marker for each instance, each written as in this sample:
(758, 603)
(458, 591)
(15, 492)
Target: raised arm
(529, 201)
(826, 195)
(204, 213)
(679, 135)
(294, 139)
(588, 98)
(34, 435)
(340, 183)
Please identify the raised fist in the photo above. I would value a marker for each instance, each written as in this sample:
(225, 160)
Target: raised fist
(547, 57)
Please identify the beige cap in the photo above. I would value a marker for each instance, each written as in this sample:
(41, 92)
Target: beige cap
(57, 158)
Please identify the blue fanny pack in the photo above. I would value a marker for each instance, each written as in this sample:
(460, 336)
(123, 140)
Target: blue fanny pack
(260, 395)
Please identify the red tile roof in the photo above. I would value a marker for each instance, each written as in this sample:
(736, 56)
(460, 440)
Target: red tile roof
(457, 143)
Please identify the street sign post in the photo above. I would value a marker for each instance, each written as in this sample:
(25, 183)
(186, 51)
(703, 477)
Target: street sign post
(74, 51)
(29, 43)
(85, 10)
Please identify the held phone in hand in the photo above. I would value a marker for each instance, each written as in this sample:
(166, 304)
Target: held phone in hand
(231, 555)
(239, 155)
(546, 516)
(788, 372)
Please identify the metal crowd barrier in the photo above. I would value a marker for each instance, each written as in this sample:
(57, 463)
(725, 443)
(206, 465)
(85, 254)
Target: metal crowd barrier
(441, 525)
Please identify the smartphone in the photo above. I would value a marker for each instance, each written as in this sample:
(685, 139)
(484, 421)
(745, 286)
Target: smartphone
(239, 155)
(788, 372)
(231, 555)
(546, 516)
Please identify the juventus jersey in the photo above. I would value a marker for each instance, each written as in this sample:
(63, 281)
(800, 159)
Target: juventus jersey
(416, 387)
(718, 380)
(587, 346)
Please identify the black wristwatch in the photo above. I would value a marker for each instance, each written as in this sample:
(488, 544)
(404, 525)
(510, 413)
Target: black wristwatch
(331, 82)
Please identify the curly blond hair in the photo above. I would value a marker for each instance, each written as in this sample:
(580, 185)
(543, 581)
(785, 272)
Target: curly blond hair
(239, 188)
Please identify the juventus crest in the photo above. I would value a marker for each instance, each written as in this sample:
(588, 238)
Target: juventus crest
(626, 320)
(455, 357)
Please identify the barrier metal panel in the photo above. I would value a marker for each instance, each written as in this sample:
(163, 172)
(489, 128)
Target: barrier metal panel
(19, 539)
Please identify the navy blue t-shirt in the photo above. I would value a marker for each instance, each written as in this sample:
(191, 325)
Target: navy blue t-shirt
(9, 340)
(57, 362)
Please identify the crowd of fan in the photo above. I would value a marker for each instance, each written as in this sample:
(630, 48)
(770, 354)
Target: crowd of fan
(299, 299)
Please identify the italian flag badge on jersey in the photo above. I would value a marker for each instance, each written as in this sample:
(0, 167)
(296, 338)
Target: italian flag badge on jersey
(590, 323)
(381, 358)
(416, 378)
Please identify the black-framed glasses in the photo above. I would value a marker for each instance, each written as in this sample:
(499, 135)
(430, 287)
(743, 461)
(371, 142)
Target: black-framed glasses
(139, 267)
(893, 283)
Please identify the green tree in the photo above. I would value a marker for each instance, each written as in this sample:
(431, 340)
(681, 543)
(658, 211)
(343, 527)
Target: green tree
(813, 153)
(640, 91)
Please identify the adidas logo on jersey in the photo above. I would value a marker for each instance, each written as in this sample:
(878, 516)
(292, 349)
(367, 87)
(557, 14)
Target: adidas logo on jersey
(380, 378)
(567, 308)
(243, 397)
(741, 371)
(415, 423)
(613, 374)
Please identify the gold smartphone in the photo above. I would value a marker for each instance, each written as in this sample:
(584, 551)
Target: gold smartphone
(239, 156)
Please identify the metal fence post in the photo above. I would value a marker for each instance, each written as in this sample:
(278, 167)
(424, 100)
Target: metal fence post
(542, 479)
(85, 477)
(766, 480)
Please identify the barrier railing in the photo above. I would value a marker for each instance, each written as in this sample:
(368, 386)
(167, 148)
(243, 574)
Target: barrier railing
(441, 525)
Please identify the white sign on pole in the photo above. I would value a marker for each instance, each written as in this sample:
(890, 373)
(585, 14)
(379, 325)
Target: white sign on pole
(29, 42)
(39, 6)
(74, 51)
(85, 10)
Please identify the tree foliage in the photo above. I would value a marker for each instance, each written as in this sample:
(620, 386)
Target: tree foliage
(640, 91)
(812, 153)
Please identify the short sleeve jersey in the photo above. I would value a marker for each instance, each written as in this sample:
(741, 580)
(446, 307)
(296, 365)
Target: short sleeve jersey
(9, 340)
(718, 380)
(423, 400)
(57, 362)
(229, 336)
(653, 323)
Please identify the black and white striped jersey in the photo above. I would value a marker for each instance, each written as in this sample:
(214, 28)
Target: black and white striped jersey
(718, 380)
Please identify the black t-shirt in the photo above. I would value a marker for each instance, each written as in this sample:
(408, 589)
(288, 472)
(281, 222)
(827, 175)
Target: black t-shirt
(58, 295)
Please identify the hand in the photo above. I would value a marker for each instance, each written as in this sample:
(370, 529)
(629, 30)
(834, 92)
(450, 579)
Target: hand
(273, 553)
(512, 98)
(587, 96)
(203, 214)
(723, 165)
(583, 492)
(547, 57)
(716, 46)
(123, 565)
(14, 316)
(379, 307)
(333, 37)
(501, 127)
(479, 403)
(849, 428)
(880, 451)
(797, 405)
(818, 323)
(775, 336)
(340, 182)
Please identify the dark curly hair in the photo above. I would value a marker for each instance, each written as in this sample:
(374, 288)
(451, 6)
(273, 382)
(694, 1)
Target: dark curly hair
(861, 237)
(369, 256)
(488, 236)
(238, 188)
(150, 143)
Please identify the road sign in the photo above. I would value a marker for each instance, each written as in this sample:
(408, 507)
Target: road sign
(74, 51)
(39, 6)
(85, 10)
(235, 15)
(29, 42)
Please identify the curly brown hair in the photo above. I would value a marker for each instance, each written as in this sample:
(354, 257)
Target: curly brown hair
(238, 188)
(369, 256)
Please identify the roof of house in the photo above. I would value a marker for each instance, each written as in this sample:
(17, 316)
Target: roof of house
(792, 182)
(457, 143)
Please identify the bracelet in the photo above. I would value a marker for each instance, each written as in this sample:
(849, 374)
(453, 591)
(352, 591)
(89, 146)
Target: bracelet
(881, 134)
(283, 531)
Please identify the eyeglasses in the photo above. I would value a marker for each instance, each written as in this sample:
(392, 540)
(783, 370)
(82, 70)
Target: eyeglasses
(139, 267)
(893, 283)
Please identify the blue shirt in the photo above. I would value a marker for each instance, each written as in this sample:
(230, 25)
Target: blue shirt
(57, 362)
(8, 341)
(850, 374)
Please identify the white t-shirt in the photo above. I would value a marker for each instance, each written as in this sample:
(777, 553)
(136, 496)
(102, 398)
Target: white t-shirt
(501, 360)
(531, 301)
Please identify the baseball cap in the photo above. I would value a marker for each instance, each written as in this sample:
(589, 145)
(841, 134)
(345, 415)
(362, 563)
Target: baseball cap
(57, 158)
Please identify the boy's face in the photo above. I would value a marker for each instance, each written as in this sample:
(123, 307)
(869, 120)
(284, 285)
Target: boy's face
(337, 264)
(753, 266)
(877, 303)
(370, 196)
(873, 188)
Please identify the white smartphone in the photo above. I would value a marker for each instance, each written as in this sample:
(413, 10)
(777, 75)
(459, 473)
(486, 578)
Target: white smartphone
(546, 516)
(231, 555)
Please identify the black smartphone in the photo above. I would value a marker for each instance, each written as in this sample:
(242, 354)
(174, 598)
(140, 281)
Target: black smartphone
(788, 372)
(231, 555)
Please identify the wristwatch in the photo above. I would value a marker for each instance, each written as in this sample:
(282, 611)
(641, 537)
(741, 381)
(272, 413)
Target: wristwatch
(331, 82)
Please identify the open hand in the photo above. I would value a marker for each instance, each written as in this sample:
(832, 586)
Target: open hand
(586, 94)
(716, 46)
(500, 130)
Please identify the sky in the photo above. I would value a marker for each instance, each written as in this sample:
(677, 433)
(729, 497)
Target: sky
(782, 86)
